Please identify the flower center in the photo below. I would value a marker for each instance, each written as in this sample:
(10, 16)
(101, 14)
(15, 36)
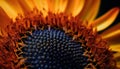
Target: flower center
(53, 49)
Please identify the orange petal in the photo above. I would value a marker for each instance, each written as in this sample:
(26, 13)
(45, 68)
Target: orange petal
(8, 9)
(30, 3)
(15, 5)
(114, 37)
(115, 47)
(4, 18)
(117, 54)
(74, 7)
(25, 7)
(118, 64)
(51, 5)
(4, 21)
(41, 5)
(112, 34)
(90, 10)
(106, 20)
(117, 58)
(57, 6)
(110, 30)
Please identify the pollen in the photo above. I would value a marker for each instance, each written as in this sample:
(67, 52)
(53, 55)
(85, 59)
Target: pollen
(54, 41)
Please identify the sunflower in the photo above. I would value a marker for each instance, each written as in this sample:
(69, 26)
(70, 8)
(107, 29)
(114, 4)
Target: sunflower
(57, 34)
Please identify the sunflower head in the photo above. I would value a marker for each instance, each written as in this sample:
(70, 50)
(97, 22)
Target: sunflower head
(54, 40)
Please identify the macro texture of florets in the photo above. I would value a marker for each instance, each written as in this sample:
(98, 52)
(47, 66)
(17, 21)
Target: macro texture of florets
(54, 41)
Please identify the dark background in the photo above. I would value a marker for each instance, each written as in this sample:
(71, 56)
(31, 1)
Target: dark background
(106, 5)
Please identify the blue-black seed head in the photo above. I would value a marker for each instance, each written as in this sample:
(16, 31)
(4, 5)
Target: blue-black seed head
(53, 49)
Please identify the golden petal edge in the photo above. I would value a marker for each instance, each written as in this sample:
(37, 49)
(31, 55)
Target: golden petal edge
(106, 20)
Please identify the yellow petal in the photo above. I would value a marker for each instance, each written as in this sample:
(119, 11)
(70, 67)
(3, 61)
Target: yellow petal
(117, 58)
(25, 7)
(112, 34)
(115, 39)
(74, 7)
(62, 5)
(110, 30)
(8, 9)
(15, 5)
(4, 21)
(41, 5)
(51, 5)
(30, 3)
(117, 54)
(115, 47)
(57, 6)
(106, 20)
(90, 10)
(118, 64)
(4, 18)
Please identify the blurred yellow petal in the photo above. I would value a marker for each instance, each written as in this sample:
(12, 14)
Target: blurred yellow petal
(117, 58)
(113, 37)
(4, 21)
(74, 7)
(56, 6)
(90, 10)
(117, 54)
(110, 30)
(112, 34)
(25, 7)
(4, 18)
(30, 3)
(15, 5)
(118, 64)
(115, 47)
(21, 6)
(8, 9)
(41, 5)
(106, 20)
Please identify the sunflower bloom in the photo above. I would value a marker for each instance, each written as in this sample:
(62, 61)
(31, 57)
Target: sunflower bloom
(57, 34)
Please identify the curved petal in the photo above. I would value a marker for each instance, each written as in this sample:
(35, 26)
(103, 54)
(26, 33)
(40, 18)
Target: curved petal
(106, 20)
(112, 34)
(4, 21)
(118, 64)
(41, 5)
(74, 7)
(117, 57)
(30, 3)
(4, 18)
(115, 47)
(8, 9)
(25, 7)
(114, 37)
(15, 5)
(110, 30)
(57, 6)
(90, 10)
(21, 6)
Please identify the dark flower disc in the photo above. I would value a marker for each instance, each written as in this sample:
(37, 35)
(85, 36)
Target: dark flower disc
(53, 49)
